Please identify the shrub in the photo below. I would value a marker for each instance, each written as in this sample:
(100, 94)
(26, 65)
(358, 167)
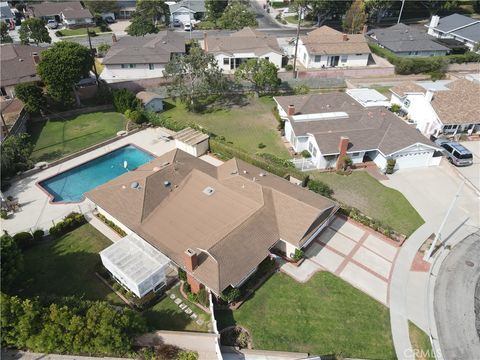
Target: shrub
(320, 188)
(230, 294)
(124, 99)
(182, 274)
(186, 288)
(71, 222)
(281, 123)
(187, 355)
(164, 121)
(298, 255)
(390, 166)
(262, 145)
(23, 239)
(301, 89)
(103, 49)
(347, 162)
(202, 297)
(306, 154)
(395, 108)
(289, 67)
(136, 116)
(3, 214)
(277, 161)
(112, 225)
(38, 235)
(192, 297)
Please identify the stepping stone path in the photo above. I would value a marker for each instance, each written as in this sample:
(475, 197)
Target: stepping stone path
(185, 308)
(194, 316)
(172, 296)
(178, 301)
(199, 322)
(188, 311)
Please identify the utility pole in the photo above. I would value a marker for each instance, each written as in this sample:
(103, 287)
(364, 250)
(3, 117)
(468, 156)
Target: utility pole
(438, 236)
(300, 9)
(401, 10)
(91, 54)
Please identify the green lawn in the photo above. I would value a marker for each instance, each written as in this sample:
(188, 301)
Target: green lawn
(324, 316)
(244, 126)
(166, 315)
(56, 138)
(421, 344)
(367, 194)
(66, 267)
(293, 19)
(79, 31)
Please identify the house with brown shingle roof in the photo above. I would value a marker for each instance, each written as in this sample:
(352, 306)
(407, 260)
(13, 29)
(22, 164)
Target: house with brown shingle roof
(232, 50)
(332, 126)
(443, 106)
(71, 13)
(216, 223)
(326, 47)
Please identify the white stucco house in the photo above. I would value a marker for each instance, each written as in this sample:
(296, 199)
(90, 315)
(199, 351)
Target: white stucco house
(444, 106)
(141, 57)
(232, 50)
(326, 47)
(331, 126)
(457, 27)
(186, 11)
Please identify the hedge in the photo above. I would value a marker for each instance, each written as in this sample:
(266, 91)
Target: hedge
(112, 225)
(71, 222)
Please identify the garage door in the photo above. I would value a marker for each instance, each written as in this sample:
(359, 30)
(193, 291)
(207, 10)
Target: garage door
(413, 159)
(184, 17)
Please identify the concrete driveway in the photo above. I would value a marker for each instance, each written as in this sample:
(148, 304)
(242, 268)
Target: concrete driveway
(472, 173)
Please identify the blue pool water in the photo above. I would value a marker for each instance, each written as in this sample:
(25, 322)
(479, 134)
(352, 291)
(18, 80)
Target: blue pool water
(72, 184)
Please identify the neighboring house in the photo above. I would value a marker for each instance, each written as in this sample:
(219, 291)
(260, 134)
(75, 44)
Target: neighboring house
(216, 223)
(142, 57)
(326, 47)
(151, 101)
(126, 8)
(70, 13)
(19, 65)
(187, 10)
(6, 15)
(444, 106)
(458, 27)
(404, 40)
(232, 50)
(331, 126)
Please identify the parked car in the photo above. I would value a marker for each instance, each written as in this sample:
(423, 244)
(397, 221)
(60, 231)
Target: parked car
(176, 23)
(455, 152)
(109, 19)
(52, 24)
(188, 27)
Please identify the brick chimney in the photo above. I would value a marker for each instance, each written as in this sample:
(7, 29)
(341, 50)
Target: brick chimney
(291, 110)
(114, 38)
(365, 29)
(205, 45)
(345, 37)
(191, 262)
(36, 58)
(342, 148)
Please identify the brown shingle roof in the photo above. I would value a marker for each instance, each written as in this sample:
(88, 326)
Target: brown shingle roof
(245, 40)
(327, 41)
(53, 8)
(460, 104)
(232, 229)
(367, 128)
(407, 87)
(17, 64)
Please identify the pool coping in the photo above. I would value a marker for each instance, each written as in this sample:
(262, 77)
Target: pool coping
(51, 197)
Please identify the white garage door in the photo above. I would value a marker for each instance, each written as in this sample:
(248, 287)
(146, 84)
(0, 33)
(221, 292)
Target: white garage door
(413, 159)
(184, 17)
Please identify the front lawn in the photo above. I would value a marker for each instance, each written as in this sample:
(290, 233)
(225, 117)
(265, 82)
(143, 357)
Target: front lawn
(421, 344)
(166, 315)
(367, 194)
(245, 126)
(56, 138)
(66, 267)
(79, 31)
(324, 316)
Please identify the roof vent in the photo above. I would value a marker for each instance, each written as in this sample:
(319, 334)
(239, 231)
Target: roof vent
(166, 183)
(20, 60)
(208, 190)
(135, 185)
(262, 174)
(245, 171)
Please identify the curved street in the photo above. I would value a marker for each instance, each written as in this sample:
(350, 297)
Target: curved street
(454, 301)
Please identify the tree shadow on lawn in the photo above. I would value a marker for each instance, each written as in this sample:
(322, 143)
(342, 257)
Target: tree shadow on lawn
(166, 319)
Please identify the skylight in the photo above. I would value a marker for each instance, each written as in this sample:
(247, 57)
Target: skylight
(320, 116)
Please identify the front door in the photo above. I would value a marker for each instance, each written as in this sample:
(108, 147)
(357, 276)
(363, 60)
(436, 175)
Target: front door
(333, 61)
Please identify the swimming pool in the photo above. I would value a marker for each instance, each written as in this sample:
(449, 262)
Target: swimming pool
(71, 185)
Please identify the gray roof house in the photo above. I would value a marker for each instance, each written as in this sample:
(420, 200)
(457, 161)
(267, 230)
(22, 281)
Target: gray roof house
(187, 10)
(331, 126)
(458, 27)
(405, 40)
(71, 13)
(142, 57)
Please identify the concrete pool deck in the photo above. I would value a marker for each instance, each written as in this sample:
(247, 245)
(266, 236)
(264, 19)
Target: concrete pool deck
(37, 212)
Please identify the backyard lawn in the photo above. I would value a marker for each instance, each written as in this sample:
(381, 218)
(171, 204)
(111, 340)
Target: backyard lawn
(56, 138)
(324, 316)
(166, 315)
(367, 194)
(66, 267)
(244, 126)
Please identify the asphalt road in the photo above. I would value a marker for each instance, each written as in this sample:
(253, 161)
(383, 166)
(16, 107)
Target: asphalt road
(264, 20)
(454, 301)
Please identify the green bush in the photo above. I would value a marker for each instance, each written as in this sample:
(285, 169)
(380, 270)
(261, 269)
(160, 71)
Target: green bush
(192, 297)
(301, 89)
(230, 294)
(112, 225)
(71, 222)
(320, 188)
(390, 166)
(124, 99)
(395, 108)
(15, 150)
(23, 239)
(38, 235)
(281, 123)
(202, 297)
(186, 288)
(187, 355)
(298, 255)
(182, 275)
(164, 121)
(261, 145)
(205, 25)
(306, 154)
(289, 67)
(3, 214)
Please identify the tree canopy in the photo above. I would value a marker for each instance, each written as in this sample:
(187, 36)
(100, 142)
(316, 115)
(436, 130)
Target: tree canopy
(100, 7)
(140, 26)
(377, 9)
(155, 10)
(236, 16)
(16, 150)
(323, 9)
(4, 37)
(33, 30)
(62, 66)
(355, 18)
(214, 9)
(11, 261)
(261, 73)
(31, 95)
(196, 78)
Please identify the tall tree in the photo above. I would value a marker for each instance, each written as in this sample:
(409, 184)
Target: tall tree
(323, 9)
(261, 73)
(4, 37)
(214, 9)
(100, 6)
(434, 6)
(377, 9)
(355, 18)
(62, 66)
(196, 78)
(11, 260)
(16, 150)
(236, 16)
(34, 30)
(31, 95)
(155, 10)
(140, 26)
